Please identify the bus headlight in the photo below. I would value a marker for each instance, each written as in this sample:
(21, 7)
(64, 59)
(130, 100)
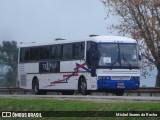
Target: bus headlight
(134, 78)
(104, 78)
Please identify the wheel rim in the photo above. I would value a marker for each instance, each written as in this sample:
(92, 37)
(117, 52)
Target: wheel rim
(83, 86)
(36, 87)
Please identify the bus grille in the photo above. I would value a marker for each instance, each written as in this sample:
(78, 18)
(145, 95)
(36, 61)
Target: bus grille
(120, 78)
(23, 79)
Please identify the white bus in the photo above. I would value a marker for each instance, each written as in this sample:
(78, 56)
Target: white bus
(98, 63)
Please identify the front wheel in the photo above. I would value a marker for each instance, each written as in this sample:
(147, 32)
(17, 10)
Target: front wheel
(82, 86)
(119, 92)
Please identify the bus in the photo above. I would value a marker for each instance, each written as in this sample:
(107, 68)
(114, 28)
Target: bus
(97, 63)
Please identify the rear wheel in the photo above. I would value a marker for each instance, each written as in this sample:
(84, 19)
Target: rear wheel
(43, 92)
(36, 89)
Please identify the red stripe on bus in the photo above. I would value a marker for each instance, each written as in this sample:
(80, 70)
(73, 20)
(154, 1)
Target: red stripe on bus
(79, 66)
(59, 80)
(71, 74)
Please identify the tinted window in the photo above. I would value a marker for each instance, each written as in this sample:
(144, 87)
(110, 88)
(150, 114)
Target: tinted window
(53, 53)
(45, 52)
(34, 53)
(59, 51)
(79, 50)
(92, 54)
(68, 51)
(24, 54)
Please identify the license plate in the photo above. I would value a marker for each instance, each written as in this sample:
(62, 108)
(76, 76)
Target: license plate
(120, 85)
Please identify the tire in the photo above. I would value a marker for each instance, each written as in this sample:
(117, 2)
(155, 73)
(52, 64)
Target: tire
(67, 92)
(36, 89)
(82, 86)
(119, 92)
(43, 92)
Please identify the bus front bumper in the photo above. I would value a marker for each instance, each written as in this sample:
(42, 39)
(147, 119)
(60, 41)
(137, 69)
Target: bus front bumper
(118, 84)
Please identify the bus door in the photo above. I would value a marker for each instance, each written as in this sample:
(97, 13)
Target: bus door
(92, 57)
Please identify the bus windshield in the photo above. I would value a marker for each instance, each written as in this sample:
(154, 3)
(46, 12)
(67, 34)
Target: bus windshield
(118, 55)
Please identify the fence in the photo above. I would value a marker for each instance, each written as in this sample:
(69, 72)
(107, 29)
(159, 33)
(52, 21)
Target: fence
(143, 91)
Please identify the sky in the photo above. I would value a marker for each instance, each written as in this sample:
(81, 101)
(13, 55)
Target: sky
(45, 20)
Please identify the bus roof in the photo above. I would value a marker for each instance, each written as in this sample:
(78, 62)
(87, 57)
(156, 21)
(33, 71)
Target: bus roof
(97, 39)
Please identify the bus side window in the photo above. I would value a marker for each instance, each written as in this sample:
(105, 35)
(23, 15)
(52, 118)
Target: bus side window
(45, 52)
(27, 54)
(34, 53)
(24, 54)
(59, 51)
(68, 51)
(76, 50)
(79, 50)
(53, 53)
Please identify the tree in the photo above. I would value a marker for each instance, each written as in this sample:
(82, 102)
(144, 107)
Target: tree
(141, 20)
(9, 60)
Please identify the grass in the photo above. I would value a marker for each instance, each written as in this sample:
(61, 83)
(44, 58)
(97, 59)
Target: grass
(21, 104)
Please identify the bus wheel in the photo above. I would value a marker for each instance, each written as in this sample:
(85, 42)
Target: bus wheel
(67, 92)
(82, 86)
(43, 92)
(119, 92)
(36, 87)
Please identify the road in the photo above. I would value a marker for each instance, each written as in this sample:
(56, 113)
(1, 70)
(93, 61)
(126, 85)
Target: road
(88, 98)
